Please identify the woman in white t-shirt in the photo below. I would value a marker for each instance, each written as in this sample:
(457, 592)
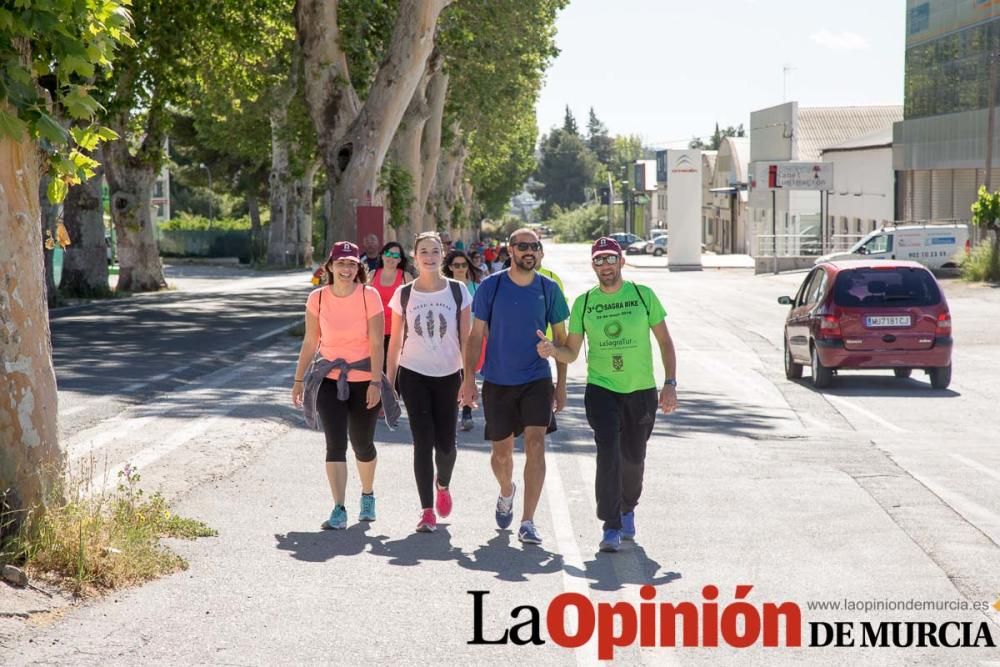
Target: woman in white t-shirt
(431, 319)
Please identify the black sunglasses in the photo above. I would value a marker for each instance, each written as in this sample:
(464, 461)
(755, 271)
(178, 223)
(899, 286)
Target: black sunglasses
(523, 246)
(459, 265)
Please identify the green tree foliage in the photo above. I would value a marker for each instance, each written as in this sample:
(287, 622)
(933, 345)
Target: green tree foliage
(52, 52)
(580, 225)
(598, 139)
(496, 54)
(986, 214)
(566, 169)
(569, 123)
(716, 139)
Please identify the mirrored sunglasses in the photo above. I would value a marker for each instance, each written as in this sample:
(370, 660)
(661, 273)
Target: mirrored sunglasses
(394, 254)
(605, 259)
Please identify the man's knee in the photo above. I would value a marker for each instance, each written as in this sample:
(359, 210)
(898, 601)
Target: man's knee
(503, 450)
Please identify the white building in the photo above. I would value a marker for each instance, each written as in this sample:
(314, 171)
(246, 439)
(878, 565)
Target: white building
(863, 196)
(707, 211)
(728, 226)
(788, 133)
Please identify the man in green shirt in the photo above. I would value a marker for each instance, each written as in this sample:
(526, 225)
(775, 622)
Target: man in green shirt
(621, 397)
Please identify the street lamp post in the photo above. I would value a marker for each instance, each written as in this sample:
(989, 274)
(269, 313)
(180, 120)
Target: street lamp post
(211, 215)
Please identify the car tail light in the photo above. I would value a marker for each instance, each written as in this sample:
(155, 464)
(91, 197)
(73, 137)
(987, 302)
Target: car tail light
(829, 326)
(943, 324)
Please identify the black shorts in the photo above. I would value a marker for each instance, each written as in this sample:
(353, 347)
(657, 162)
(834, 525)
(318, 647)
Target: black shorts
(509, 408)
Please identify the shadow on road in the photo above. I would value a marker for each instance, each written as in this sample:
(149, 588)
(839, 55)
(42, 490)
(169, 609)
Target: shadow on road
(325, 545)
(510, 562)
(613, 571)
(880, 385)
(418, 547)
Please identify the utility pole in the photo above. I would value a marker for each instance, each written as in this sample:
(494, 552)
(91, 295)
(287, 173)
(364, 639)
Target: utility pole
(611, 205)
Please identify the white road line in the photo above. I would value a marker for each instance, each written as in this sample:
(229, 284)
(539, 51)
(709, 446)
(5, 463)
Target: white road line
(273, 332)
(149, 455)
(128, 423)
(136, 386)
(978, 466)
(841, 402)
(562, 524)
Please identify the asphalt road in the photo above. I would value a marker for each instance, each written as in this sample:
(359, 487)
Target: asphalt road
(878, 490)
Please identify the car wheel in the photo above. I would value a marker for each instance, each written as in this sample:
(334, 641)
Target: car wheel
(902, 372)
(793, 371)
(940, 377)
(658, 252)
(822, 376)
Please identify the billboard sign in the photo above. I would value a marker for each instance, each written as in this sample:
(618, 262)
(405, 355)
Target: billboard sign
(805, 175)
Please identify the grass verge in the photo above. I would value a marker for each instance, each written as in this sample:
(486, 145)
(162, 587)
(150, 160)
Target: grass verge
(93, 543)
(981, 264)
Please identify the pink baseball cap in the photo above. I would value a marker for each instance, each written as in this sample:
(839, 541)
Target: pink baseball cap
(344, 250)
(605, 246)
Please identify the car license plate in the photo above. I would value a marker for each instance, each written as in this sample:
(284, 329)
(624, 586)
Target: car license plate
(878, 321)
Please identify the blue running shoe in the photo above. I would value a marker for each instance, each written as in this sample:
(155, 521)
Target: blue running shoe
(528, 534)
(367, 512)
(628, 525)
(612, 540)
(337, 520)
(505, 509)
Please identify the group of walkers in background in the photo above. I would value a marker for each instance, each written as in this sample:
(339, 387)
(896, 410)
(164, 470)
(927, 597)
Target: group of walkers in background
(434, 324)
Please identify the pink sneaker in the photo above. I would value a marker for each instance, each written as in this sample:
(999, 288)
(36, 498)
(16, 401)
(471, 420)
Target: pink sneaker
(443, 502)
(428, 522)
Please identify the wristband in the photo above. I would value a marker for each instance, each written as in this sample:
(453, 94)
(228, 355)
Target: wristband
(670, 381)
(298, 380)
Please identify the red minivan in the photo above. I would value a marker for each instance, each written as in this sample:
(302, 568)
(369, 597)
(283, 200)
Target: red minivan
(868, 314)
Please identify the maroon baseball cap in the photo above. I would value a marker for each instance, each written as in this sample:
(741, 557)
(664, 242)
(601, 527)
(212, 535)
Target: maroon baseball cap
(344, 250)
(605, 246)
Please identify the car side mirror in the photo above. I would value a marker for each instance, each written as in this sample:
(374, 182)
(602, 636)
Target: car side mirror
(863, 250)
(785, 300)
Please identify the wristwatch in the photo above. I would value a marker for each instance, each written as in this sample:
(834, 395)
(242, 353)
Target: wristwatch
(670, 381)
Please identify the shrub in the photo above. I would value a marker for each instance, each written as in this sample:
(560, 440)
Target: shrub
(980, 264)
(579, 225)
(188, 223)
(103, 541)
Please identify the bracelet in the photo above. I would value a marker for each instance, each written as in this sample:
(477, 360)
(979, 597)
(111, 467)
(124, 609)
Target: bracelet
(298, 380)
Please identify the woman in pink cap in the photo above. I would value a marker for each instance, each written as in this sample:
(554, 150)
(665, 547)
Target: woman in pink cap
(345, 326)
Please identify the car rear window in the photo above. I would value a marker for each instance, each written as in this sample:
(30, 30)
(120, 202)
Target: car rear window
(886, 287)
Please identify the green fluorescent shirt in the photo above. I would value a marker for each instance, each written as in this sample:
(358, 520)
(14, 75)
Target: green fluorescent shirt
(620, 356)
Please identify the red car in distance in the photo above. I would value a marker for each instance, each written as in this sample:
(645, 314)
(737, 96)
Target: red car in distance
(868, 314)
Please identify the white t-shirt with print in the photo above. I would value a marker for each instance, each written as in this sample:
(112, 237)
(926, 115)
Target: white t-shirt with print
(432, 344)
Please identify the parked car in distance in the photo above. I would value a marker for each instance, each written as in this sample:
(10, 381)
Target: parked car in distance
(657, 247)
(637, 248)
(868, 314)
(625, 239)
(934, 246)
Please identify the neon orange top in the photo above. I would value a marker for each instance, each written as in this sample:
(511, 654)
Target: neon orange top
(343, 326)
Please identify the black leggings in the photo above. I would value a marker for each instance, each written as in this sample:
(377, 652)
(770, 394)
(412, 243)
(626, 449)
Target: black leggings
(432, 410)
(352, 415)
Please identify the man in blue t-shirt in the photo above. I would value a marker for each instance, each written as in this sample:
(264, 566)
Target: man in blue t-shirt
(512, 306)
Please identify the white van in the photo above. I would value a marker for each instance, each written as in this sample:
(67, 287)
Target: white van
(934, 246)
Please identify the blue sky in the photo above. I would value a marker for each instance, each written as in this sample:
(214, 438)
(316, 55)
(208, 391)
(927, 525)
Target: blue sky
(668, 69)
